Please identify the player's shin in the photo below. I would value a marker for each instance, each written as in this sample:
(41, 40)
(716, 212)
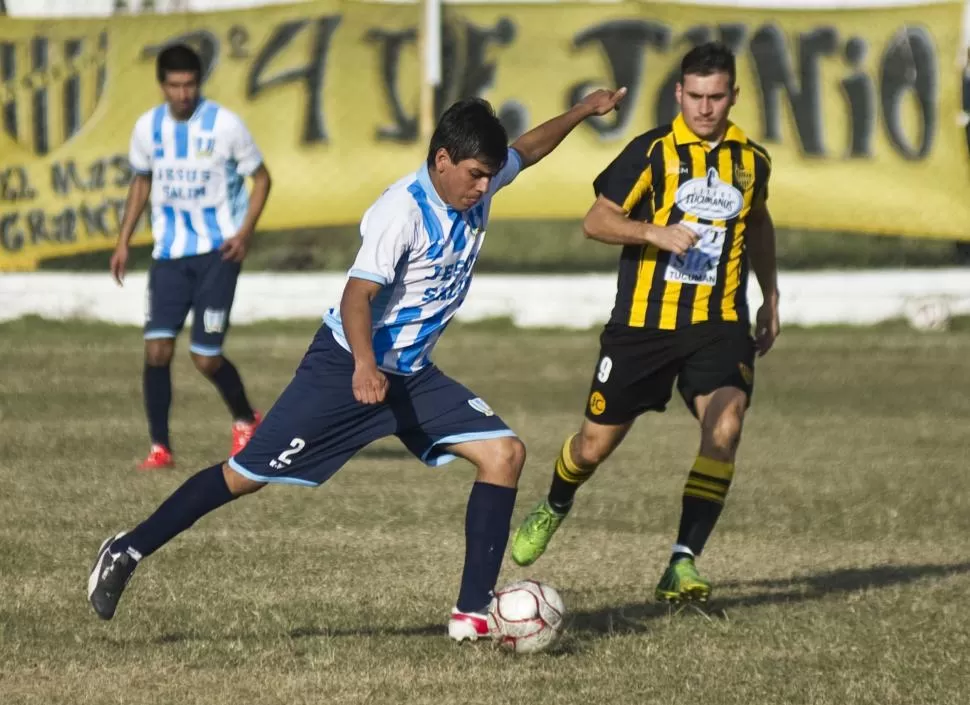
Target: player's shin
(199, 495)
(704, 494)
(567, 478)
(227, 380)
(157, 387)
(487, 520)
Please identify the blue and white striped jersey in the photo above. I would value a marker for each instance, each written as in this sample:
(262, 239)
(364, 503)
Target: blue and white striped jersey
(198, 196)
(422, 252)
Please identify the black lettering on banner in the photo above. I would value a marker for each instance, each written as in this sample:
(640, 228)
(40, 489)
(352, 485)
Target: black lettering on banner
(100, 220)
(776, 77)
(114, 171)
(312, 73)
(405, 127)
(15, 184)
(625, 43)
(11, 235)
(860, 94)
(909, 66)
(466, 72)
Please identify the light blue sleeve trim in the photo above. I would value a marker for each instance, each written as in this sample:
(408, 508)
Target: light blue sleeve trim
(206, 350)
(142, 172)
(461, 438)
(273, 480)
(518, 158)
(160, 334)
(369, 276)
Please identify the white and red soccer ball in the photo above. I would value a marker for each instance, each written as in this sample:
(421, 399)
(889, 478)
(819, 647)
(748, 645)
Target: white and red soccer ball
(526, 617)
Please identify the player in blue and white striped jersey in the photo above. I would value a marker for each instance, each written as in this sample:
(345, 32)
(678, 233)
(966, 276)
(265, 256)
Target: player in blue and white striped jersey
(190, 157)
(368, 374)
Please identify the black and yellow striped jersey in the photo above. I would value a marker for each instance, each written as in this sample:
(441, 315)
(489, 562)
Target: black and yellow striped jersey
(669, 175)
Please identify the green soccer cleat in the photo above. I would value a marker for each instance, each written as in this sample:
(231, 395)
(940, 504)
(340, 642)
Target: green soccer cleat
(682, 583)
(533, 536)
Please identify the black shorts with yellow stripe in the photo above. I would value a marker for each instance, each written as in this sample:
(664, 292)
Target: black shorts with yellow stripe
(637, 368)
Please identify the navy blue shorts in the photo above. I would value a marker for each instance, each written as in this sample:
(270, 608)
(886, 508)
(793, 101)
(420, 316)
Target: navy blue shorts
(206, 284)
(316, 425)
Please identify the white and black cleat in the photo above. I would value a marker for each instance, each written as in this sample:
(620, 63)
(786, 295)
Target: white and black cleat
(108, 578)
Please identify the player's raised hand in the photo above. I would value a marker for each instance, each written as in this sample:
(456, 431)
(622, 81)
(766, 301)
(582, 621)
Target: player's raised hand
(119, 263)
(672, 238)
(369, 385)
(602, 101)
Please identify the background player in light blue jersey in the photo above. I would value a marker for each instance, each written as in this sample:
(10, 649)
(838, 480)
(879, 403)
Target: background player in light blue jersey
(190, 157)
(368, 374)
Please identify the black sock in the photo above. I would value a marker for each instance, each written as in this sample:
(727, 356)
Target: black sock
(157, 387)
(486, 535)
(199, 495)
(230, 386)
(704, 494)
(566, 479)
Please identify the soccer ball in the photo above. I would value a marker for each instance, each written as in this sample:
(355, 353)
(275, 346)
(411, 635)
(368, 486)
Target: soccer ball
(526, 617)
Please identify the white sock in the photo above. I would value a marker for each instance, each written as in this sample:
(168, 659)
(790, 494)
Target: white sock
(681, 548)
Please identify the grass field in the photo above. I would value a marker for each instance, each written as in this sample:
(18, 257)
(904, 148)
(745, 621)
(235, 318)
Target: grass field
(840, 566)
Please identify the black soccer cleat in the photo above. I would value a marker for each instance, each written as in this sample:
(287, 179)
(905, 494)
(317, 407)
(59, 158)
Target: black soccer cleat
(108, 578)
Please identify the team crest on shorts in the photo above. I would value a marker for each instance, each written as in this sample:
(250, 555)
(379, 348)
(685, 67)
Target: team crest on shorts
(597, 403)
(479, 405)
(747, 374)
(214, 320)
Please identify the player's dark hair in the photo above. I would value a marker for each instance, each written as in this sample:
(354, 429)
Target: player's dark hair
(470, 129)
(707, 59)
(177, 57)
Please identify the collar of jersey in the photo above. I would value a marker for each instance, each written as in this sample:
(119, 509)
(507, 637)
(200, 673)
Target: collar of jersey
(424, 178)
(195, 114)
(684, 135)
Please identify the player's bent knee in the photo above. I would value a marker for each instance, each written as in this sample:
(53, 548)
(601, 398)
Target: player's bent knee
(239, 485)
(592, 449)
(158, 353)
(207, 364)
(502, 464)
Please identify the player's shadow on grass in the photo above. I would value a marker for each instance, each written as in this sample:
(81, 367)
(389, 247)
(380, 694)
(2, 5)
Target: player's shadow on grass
(635, 617)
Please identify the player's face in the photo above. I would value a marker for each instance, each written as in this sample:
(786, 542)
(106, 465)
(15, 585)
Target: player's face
(181, 89)
(464, 183)
(705, 102)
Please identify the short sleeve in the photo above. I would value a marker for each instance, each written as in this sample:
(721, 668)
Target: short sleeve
(243, 149)
(140, 149)
(386, 237)
(762, 173)
(507, 174)
(627, 179)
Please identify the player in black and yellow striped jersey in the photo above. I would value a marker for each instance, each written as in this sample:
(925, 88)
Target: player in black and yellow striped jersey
(688, 203)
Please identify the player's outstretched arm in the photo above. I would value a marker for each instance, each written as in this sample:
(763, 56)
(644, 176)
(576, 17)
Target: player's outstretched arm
(760, 236)
(138, 193)
(540, 141)
(369, 383)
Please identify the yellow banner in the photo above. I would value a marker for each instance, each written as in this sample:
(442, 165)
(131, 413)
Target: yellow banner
(859, 109)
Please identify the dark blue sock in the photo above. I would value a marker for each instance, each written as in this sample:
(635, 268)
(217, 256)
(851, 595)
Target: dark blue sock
(199, 495)
(230, 386)
(486, 535)
(157, 385)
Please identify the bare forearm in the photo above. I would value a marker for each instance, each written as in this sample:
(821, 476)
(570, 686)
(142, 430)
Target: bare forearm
(540, 141)
(356, 318)
(257, 200)
(761, 253)
(138, 194)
